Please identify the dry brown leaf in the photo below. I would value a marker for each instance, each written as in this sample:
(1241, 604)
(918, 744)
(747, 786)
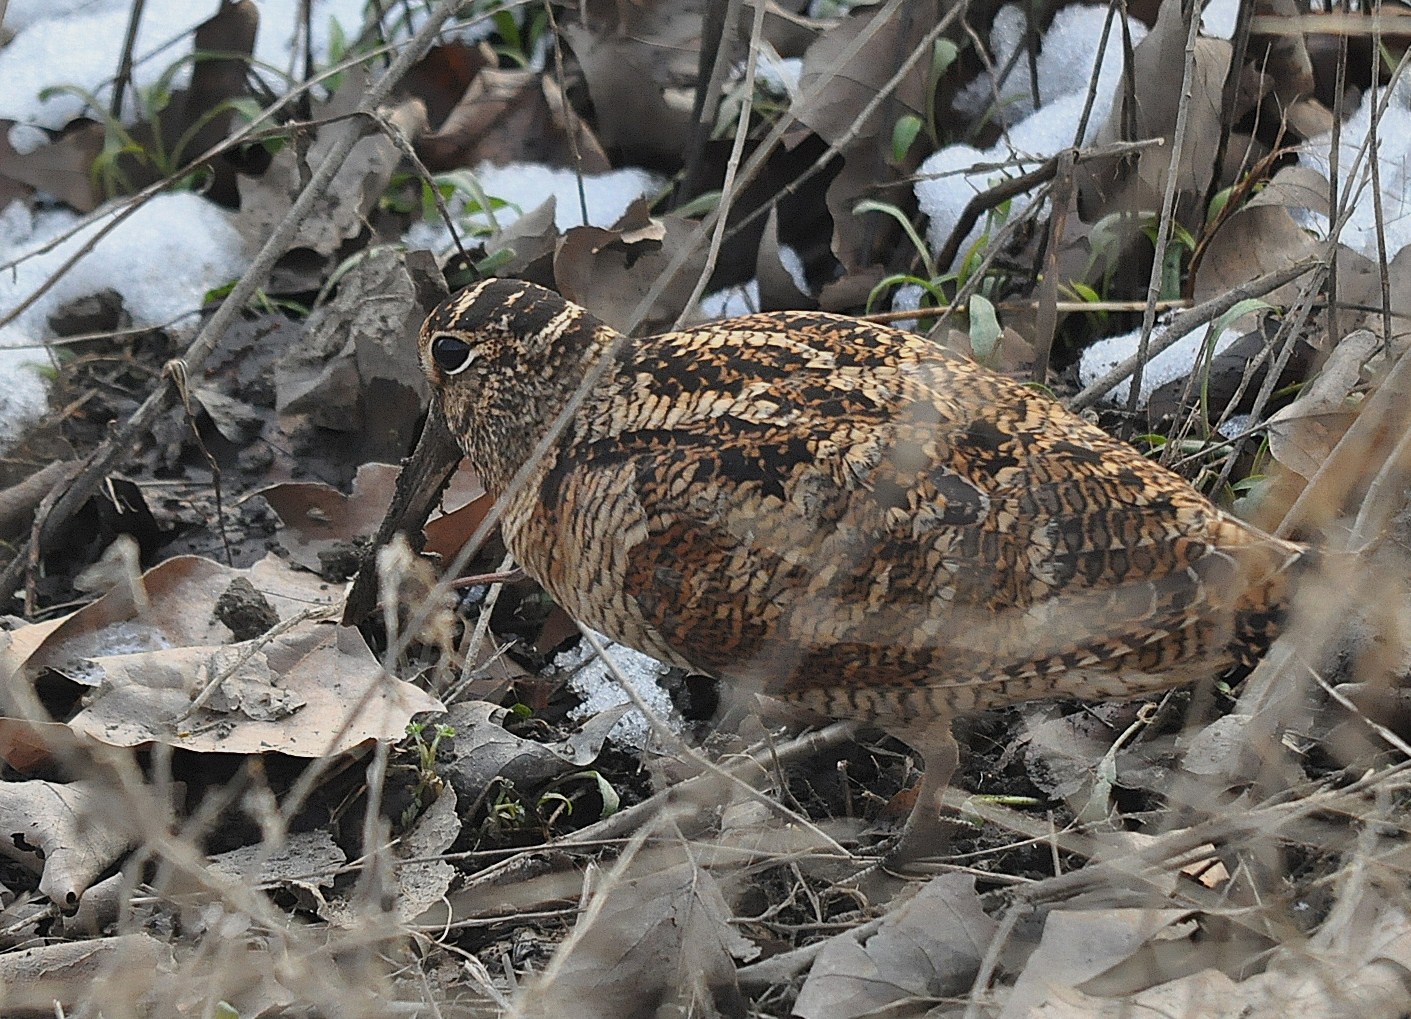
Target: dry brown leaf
(1262, 237)
(1209, 872)
(200, 116)
(791, 34)
(25, 745)
(1062, 755)
(421, 879)
(63, 168)
(17, 646)
(29, 746)
(490, 97)
(528, 245)
(645, 947)
(1356, 966)
(440, 78)
(463, 506)
(1302, 434)
(640, 62)
(343, 206)
(1078, 946)
(319, 521)
(1360, 286)
(557, 628)
(839, 93)
(356, 368)
(610, 271)
(1226, 749)
(843, 91)
(512, 116)
(1011, 353)
(236, 420)
(313, 691)
(181, 593)
(225, 43)
(69, 834)
(148, 662)
(924, 953)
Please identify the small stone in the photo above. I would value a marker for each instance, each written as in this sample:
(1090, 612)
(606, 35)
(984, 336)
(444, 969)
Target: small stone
(245, 611)
(102, 312)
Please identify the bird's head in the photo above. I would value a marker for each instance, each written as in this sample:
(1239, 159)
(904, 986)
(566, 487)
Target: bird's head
(504, 357)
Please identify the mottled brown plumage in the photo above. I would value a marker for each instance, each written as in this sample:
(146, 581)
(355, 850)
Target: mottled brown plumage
(843, 515)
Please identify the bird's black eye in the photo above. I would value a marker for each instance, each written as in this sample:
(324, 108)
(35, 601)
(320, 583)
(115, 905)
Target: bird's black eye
(451, 355)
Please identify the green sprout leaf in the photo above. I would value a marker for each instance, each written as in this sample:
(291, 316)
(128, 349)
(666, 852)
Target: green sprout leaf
(904, 136)
(985, 329)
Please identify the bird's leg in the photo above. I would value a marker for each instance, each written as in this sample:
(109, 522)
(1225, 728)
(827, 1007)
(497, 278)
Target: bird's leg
(926, 835)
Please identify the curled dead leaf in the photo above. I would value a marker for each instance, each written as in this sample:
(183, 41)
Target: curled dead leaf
(925, 952)
(313, 691)
(68, 833)
(1302, 434)
(484, 750)
(646, 946)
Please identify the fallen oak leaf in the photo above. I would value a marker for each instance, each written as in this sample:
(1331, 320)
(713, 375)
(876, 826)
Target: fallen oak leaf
(317, 691)
(657, 944)
(926, 951)
(317, 519)
(67, 833)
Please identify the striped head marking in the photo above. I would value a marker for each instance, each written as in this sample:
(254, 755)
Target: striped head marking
(502, 357)
(492, 321)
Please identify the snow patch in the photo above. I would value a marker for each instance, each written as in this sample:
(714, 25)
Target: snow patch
(526, 186)
(950, 177)
(1175, 362)
(730, 302)
(77, 43)
(162, 259)
(1394, 165)
(600, 690)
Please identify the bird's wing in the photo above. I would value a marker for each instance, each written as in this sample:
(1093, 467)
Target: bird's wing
(805, 506)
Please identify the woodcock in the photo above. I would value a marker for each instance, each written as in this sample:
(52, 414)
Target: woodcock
(843, 515)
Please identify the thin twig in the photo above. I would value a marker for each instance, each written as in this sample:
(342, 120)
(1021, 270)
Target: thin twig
(1046, 320)
(1334, 172)
(1020, 304)
(124, 76)
(476, 637)
(1168, 205)
(728, 191)
(1081, 131)
(1374, 163)
(570, 116)
(716, 54)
